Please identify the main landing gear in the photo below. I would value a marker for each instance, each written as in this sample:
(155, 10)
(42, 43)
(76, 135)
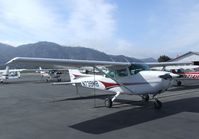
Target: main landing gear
(108, 102)
(157, 103)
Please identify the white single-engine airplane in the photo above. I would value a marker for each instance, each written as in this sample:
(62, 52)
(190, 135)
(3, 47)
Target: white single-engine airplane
(50, 74)
(8, 74)
(188, 74)
(122, 77)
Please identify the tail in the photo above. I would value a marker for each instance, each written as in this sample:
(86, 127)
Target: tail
(41, 72)
(40, 69)
(18, 74)
(75, 74)
(6, 72)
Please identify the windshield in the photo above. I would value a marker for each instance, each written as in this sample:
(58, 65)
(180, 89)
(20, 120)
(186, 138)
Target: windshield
(136, 68)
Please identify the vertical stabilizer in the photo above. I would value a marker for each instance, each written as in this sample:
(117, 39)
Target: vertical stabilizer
(40, 69)
(75, 74)
(6, 72)
(18, 74)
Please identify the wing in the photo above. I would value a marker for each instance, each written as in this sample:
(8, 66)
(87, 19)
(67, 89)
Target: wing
(163, 64)
(17, 70)
(172, 65)
(66, 62)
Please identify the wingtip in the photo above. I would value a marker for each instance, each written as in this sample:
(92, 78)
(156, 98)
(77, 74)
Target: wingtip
(11, 61)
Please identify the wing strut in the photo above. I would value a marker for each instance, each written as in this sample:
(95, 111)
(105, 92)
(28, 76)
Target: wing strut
(94, 89)
(115, 80)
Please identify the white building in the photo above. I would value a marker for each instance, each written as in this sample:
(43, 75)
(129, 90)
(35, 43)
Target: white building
(187, 57)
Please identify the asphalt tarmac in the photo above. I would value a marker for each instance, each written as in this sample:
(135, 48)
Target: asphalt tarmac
(30, 108)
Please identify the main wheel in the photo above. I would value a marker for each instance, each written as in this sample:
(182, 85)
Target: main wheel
(108, 102)
(157, 104)
(145, 98)
(179, 83)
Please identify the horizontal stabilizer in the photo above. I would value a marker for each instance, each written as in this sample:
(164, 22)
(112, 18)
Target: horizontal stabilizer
(66, 83)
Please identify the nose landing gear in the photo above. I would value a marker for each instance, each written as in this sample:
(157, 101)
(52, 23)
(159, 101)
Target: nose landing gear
(145, 98)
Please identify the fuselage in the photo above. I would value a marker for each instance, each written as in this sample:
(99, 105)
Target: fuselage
(144, 82)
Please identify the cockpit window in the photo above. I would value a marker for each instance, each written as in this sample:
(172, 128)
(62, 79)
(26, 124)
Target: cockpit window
(111, 74)
(118, 73)
(122, 72)
(136, 68)
(180, 70)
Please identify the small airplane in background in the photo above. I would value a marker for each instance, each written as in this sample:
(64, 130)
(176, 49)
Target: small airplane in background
(9, 74)
(188, 74)
(50, 74)
(120, 77)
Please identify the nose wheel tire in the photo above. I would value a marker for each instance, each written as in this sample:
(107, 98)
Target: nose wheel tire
(145, 98)
(157, 104)
(179, 83)
(108, 102)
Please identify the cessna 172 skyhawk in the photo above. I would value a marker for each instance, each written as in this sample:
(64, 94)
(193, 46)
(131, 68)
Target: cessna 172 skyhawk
(122, 77)
(188, 74)
(50, 74)
(9, 74)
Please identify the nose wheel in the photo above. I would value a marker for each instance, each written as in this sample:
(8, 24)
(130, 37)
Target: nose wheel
(145, 98)
(157, 104)
(179, 83)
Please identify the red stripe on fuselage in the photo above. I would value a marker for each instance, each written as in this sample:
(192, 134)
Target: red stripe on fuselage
(188, 73)
(194, 75)
(111, 85)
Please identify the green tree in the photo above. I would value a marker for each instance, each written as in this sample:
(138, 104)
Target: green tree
(163, 58)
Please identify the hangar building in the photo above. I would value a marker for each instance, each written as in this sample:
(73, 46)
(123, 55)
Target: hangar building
(187, 57)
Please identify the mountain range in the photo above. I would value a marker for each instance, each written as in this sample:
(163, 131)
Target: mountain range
(53, 50)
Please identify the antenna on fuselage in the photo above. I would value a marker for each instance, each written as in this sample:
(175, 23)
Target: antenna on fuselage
(94, 89)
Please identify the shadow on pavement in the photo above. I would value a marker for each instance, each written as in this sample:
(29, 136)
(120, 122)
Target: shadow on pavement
(134, 116)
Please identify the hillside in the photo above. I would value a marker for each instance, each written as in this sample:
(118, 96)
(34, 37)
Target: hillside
(53, 50)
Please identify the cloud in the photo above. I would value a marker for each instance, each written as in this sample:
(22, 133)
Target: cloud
(79, 22)
(170, 26)
(91, 24)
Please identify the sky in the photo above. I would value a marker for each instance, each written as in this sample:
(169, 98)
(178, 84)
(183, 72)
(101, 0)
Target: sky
(135, 28)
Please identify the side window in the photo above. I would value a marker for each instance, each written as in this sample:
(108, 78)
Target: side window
(117, 73)
(180, 70)
(122, 73)
(111, 74)
(136, 68)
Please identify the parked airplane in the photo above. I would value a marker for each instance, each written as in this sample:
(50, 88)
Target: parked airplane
(8, 74)
(50, 74)
(188, 74)
(122, 77)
